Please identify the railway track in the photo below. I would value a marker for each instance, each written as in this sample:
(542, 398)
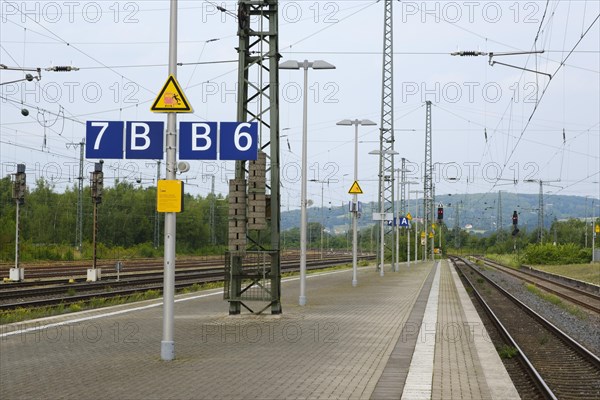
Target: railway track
(559, 366)
(65, 294)
(583, 298)
(79, 269)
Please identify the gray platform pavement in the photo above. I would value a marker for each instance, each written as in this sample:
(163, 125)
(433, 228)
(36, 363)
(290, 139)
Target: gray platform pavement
(336, 347)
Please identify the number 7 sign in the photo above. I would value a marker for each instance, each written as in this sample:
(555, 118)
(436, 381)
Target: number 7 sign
(104, 139)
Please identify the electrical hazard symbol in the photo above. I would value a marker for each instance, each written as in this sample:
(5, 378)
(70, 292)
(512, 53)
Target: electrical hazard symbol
(171, 98)
(355, 189)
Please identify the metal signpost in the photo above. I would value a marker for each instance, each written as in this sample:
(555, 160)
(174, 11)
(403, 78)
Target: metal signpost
(354, 191)
(145, 140)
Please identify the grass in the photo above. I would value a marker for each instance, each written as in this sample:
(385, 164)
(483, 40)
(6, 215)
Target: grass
(510, 260)
(557, 301)
(24, 314)
(582, 272)
(317, 271)
(196, 287)
(506, 352)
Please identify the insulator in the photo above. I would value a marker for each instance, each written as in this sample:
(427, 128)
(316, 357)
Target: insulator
(63, 68)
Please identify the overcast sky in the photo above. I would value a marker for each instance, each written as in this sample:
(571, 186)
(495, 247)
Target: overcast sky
(121, 49)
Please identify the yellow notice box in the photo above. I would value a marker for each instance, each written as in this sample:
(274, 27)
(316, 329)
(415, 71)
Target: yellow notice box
(170, 196)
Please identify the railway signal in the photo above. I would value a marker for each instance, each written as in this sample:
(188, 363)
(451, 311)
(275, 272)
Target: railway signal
(18, 195)
(97, 183)
(19, 185)
(515, 221)
(97, 186)
(440, 212)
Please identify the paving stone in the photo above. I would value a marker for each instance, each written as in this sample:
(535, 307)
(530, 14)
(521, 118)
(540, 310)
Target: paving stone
(337, 346)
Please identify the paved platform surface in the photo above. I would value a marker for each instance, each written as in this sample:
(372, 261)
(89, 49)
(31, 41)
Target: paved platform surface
(336, 347)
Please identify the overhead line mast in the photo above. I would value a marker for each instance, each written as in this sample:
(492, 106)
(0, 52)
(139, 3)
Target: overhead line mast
(428, 181)
(253, 261)
(386, 141)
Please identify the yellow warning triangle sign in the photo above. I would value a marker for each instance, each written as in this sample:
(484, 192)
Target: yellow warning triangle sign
(355, 189)
(171, 99)
(409, 217)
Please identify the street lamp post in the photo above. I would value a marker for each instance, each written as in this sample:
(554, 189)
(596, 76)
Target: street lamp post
(322, 220)
(356, 123)
(416, 192)
(397, 221)
(408, 229)
(382, 205)
(292, 64)
(594, 232)
(402, 183)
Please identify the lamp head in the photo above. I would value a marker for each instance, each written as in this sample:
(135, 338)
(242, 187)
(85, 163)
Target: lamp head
(320, 64)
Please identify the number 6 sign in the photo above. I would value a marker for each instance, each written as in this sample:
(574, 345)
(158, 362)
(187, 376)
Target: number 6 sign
(239, 141)
(236, 141)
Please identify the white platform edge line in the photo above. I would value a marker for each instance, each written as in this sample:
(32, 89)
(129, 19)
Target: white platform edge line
(420, 374)
(128, 310)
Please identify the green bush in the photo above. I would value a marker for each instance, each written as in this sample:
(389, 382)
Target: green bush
(147, 250)
(560, 254)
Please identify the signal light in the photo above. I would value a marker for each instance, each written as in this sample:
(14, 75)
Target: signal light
(515, 218)
(97, 182)
(440, 213)
(20, 185)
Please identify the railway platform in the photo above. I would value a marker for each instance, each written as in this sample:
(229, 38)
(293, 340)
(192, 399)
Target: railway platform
(412, 334)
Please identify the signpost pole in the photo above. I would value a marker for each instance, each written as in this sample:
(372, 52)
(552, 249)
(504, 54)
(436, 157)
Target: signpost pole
(595, 233)
(355, 213)
(167, 345)
(397, 223)
(408, 230)
(381, 225)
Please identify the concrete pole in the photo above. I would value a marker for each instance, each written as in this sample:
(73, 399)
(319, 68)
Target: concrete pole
(355, 212)
(322, 221)
(594, 234)
(18, 214)
(408, 230)
(94, 230)
(382, 223)
(397, 228)
(416, 230)
(303, 221)
(167, 345)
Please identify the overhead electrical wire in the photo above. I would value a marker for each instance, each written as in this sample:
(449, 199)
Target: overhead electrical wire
(79, 50)
(535, 108)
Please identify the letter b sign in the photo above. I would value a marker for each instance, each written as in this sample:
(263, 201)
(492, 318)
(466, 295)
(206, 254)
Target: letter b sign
(144, 140)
